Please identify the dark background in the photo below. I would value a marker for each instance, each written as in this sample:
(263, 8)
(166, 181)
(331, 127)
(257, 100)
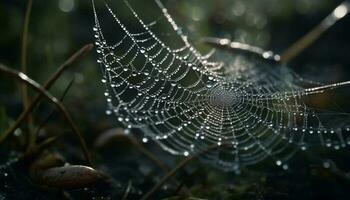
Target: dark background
(57, 29)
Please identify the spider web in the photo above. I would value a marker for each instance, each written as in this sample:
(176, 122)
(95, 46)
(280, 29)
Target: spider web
(187, 102)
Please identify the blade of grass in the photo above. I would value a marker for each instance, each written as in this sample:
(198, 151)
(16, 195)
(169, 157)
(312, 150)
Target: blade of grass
(37, 87)
(47, 86)
(52, 80)
(295, 49)
(235, 47)
(28, 158)
(182, 164)
(24, 90)
(154, 159)
(127, 190)
(43, 123)
(135, 142)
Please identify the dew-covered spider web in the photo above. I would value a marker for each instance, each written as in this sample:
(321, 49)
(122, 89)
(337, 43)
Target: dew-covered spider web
(186, 101)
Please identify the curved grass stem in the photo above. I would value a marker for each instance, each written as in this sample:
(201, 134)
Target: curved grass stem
(43, 123)
(18, 76)
(295, 49)
(24, 91)
(182, 164)
(47, 86)
(24, 46)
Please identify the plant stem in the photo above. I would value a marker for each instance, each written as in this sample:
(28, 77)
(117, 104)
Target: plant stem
(127, 190)
(182, 164)
(24, 45)
(154, 159)
(36, 86)
(47, 86)
(43, 123)
(295, 49)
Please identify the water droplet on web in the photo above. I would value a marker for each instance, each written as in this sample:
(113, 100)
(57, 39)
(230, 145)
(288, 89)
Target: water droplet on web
(144, 140)
(186, 153)
(336, 145)
(326, 164)
(126, 131)
(303, 146)
(348, 140)
(18, 132)
(278, 163)
(179, 31)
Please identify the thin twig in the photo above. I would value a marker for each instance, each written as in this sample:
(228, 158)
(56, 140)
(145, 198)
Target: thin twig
(176, 169)
(43, 123)
(36, 86)
(294, 50)
(47, 86)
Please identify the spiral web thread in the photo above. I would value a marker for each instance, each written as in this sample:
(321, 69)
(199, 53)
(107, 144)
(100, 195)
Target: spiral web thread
(187, 102)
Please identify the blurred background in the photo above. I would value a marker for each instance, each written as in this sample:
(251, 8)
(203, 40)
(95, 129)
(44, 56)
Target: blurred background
(58, 28)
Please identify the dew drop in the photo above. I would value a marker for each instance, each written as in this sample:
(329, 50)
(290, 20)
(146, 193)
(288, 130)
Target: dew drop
(186, 153)
(144, 140)
(278, 163)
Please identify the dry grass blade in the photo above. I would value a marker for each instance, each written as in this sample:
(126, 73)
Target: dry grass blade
(34, 85)
(337, 14)
(24, 91)
(118, 133)
(43, 123)
(47, 86)
(234, 47)
(127, 190)
(176, 169)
